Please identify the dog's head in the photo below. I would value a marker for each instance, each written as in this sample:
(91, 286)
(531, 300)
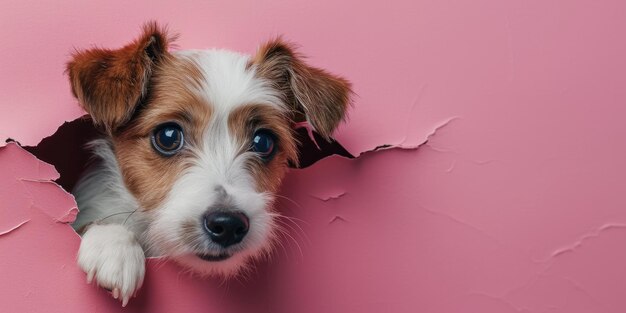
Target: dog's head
(203, 138)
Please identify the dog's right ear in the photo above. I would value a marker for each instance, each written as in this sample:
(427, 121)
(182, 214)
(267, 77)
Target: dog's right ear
(109, 84)
(318, 96)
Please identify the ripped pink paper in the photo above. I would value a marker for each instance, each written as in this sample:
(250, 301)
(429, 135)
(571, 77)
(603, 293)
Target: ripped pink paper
(498, 184)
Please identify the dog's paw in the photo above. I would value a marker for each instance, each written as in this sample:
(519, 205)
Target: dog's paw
(111, 255)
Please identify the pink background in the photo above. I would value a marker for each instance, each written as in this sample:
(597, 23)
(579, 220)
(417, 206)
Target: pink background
(517, 202)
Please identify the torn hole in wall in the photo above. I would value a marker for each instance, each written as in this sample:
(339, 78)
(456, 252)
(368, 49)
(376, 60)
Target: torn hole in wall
(66, 151)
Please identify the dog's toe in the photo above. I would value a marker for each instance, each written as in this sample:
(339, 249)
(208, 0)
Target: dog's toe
(111, 255)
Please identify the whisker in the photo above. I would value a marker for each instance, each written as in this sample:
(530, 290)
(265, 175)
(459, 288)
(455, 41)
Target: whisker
(277, 242)
(290, 200)
(298, 231)
(290, 218)
(131, 214)
(291, 222)
(288, 236)
(115, 214)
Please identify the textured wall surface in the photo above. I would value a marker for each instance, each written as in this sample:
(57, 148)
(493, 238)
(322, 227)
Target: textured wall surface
(502, 188)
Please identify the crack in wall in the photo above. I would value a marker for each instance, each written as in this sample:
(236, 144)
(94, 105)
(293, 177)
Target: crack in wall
(570, 248)
(329, 197)
(463, 223)
(337, 218)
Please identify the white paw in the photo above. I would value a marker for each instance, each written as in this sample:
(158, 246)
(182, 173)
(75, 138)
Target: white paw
(111, 254)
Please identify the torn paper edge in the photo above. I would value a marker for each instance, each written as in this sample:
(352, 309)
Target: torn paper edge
(14, 227)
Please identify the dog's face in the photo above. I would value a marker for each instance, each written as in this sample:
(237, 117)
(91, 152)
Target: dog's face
(204, 137)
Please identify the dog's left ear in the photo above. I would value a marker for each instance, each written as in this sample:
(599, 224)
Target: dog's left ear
(316, 95)
(109, 84)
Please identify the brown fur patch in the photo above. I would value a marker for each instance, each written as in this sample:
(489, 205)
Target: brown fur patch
(110, 83)
(147, 174)
(244, 121)
(312, 92)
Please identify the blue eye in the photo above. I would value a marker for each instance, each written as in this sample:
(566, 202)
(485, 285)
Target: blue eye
(167, 139)
(264, 143)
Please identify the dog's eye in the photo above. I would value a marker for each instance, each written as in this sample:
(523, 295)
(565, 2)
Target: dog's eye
(167, 139)
(264, 143)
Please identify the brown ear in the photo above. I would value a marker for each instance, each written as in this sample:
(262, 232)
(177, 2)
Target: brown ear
(109, 84)
(318, 96)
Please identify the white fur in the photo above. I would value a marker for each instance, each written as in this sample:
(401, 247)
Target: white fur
(219, 173)
(111, 254)
(111, 249)
(101, 194)
(199, 189)
(228, 82)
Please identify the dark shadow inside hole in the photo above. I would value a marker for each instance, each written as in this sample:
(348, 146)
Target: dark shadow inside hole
(65, 149)
(309, 152)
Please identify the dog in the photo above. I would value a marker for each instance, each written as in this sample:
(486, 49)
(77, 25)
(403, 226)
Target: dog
(195, 145)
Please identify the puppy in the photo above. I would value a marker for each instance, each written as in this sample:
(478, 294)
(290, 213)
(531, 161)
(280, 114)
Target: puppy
(196, 145)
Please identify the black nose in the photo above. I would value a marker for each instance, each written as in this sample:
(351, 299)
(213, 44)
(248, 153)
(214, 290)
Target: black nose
(226, 228)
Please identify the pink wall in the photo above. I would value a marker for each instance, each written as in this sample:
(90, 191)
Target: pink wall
(515, 204)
